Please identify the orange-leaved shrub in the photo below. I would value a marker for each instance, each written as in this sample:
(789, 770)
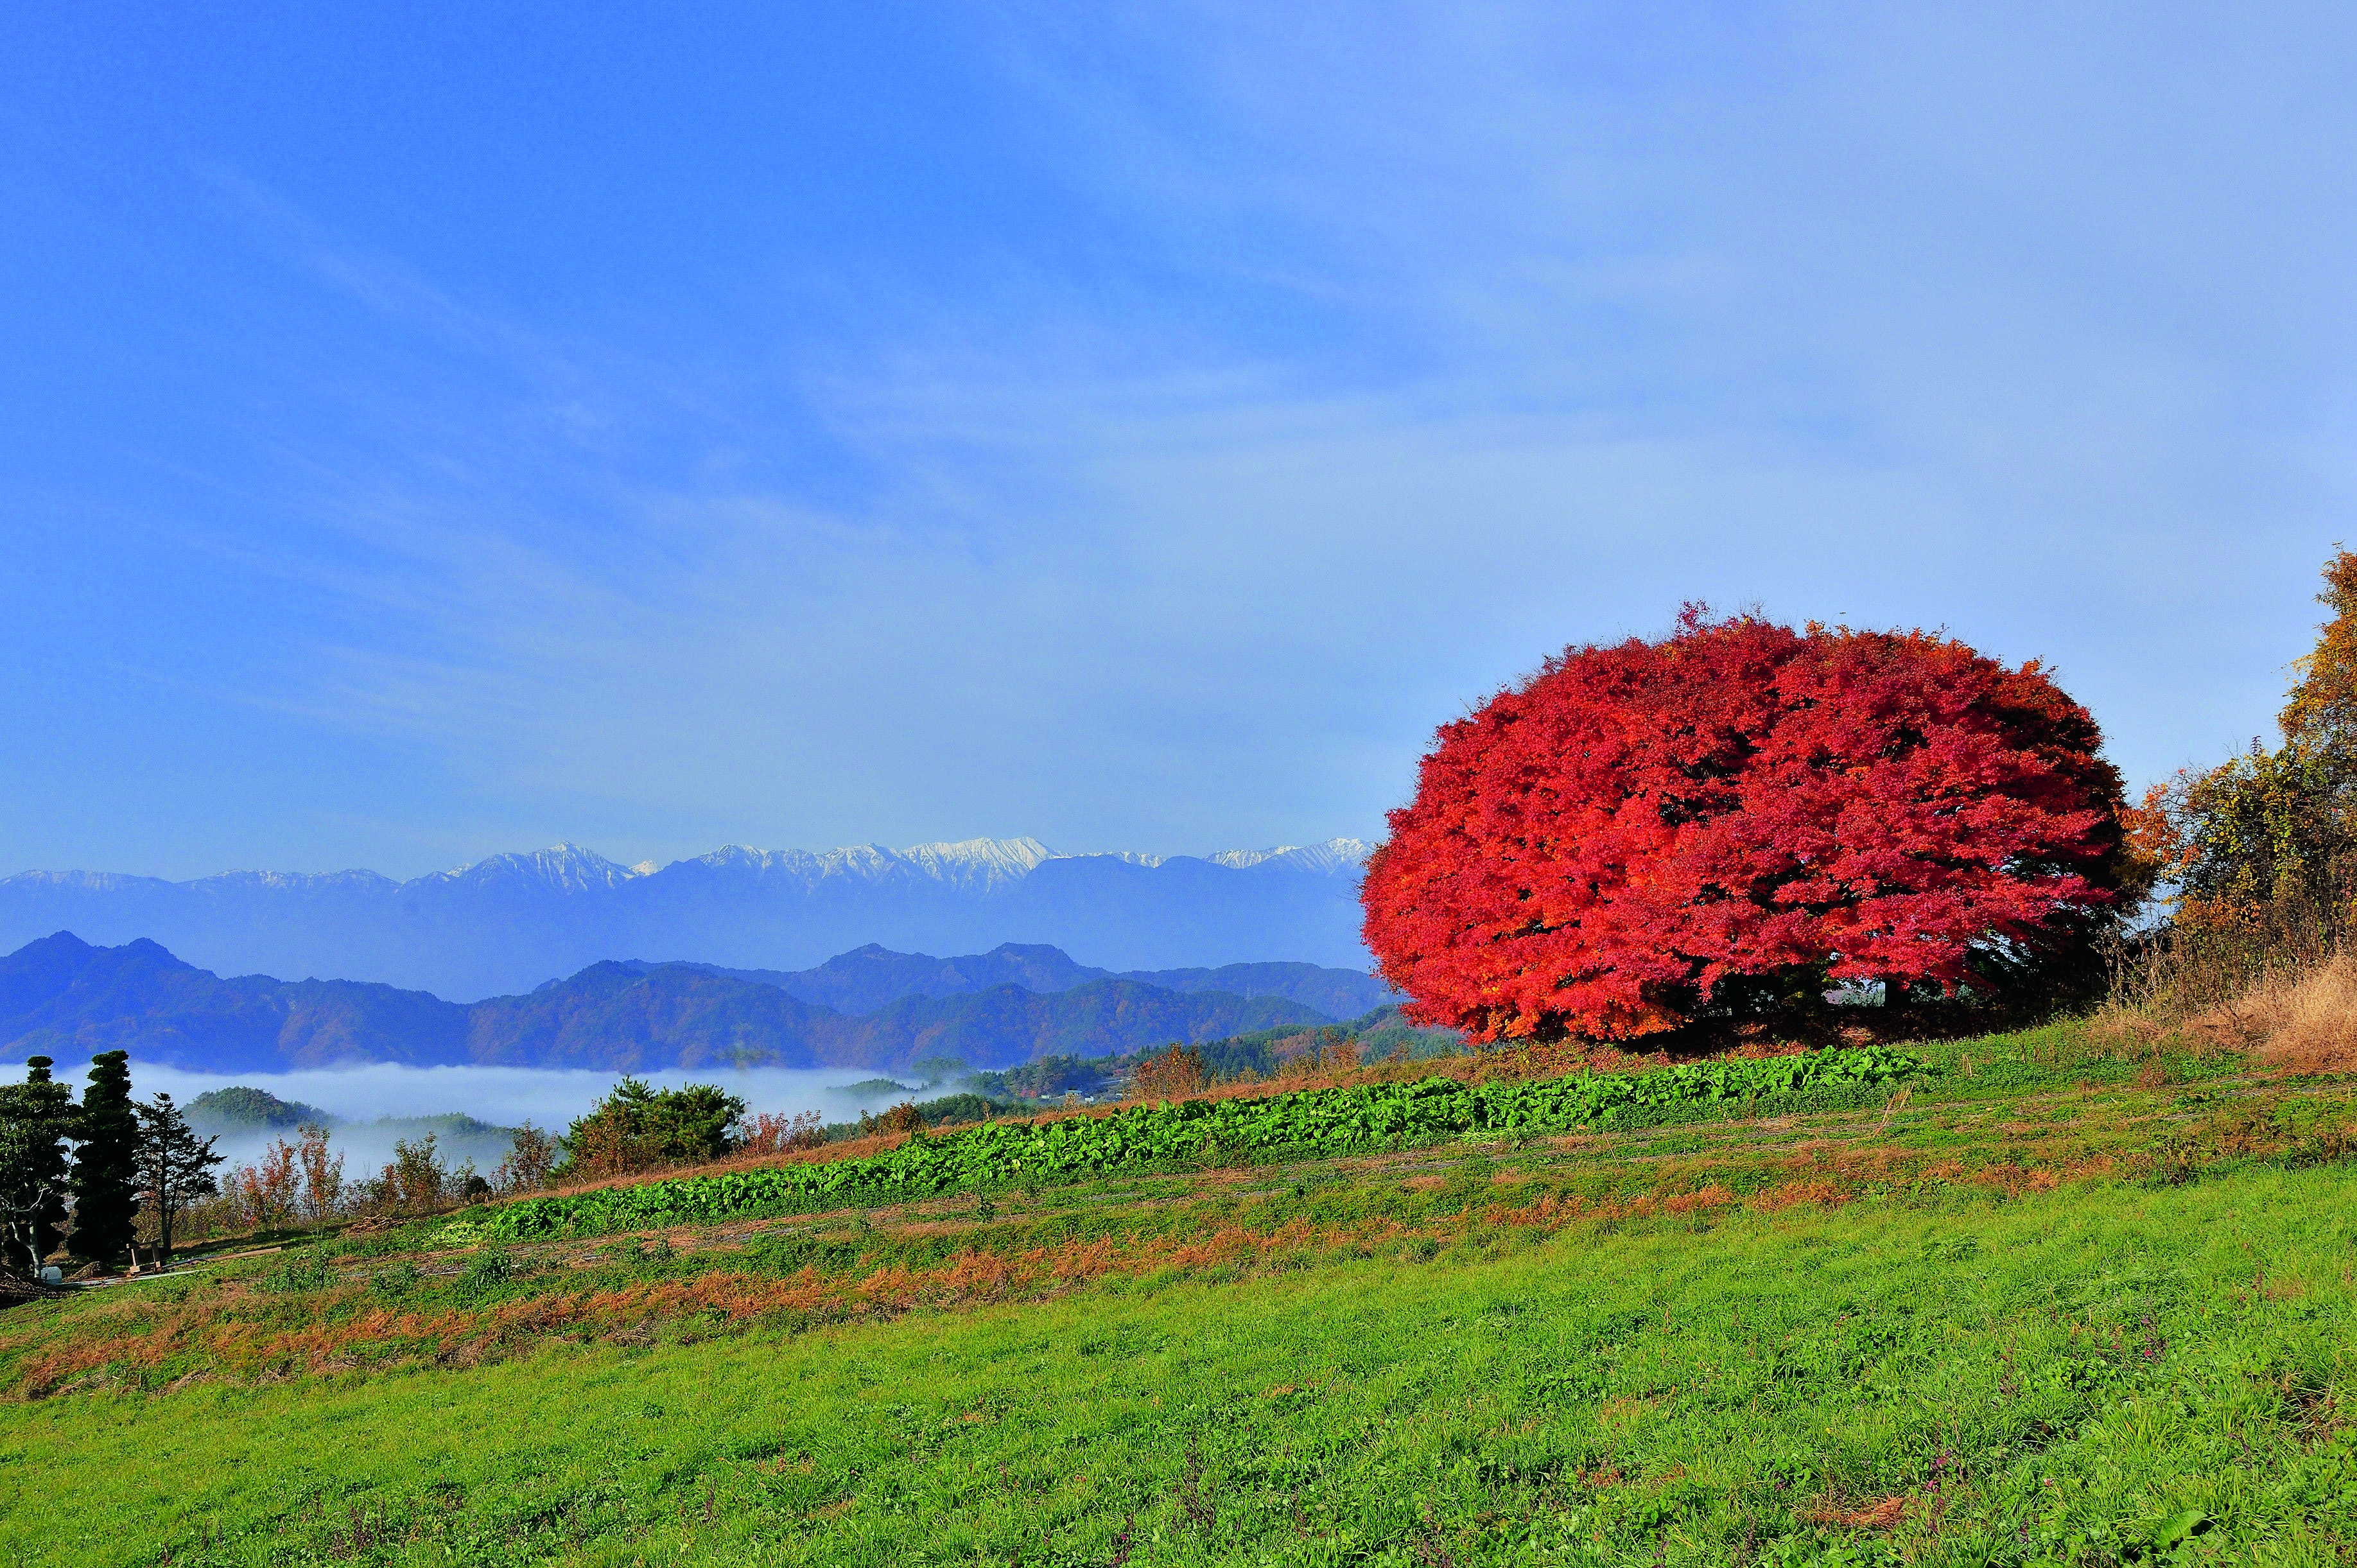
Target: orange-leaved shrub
(2259, 857)
(769, 1133)
(902, 1118)
(1172, 1073)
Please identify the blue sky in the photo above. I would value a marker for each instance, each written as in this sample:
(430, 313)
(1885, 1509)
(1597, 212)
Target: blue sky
(432, 430)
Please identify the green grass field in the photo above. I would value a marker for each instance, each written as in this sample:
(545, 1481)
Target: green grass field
(2045, 1307)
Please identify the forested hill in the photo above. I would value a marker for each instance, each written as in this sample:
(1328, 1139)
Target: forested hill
(61, 997)
(64, 998)
(873, 976)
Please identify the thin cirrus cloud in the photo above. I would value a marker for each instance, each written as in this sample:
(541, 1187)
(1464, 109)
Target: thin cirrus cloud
(1310, 376)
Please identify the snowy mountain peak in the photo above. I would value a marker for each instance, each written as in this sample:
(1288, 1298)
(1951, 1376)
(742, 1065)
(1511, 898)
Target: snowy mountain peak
(972, 866)
(1333, 855)
(506, 923)
(560, 868)
(979, 863)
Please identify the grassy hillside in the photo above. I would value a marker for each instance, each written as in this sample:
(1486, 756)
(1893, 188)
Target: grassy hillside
(2043, 1307)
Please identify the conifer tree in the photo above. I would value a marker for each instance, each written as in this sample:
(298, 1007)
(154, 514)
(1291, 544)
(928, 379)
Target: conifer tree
(106, 1174)
(175, 1167)
(37, 1117)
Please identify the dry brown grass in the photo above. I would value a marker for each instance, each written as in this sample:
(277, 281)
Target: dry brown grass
(2305, 1020)
(1883, 1515)
(2238, 980)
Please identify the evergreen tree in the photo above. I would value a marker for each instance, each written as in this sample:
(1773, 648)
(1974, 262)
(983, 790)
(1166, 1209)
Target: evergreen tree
(36, 1118)
(106, 1174)
(637, 1126)
(175, 1167)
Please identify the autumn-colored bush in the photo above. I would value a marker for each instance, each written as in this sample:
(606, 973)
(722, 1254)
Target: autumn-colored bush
(902, 1118)
(265, 1195)
(2272, 832)
(413, 1182)
(2258, 857)
(531, 1159)
(1307, 1056)
(323, 1174)
(770, 1133)
(1733, 818)
(1171, 1074)
(286, 1184)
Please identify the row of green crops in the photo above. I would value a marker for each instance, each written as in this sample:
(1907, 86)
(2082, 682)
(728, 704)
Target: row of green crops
(1322, 1121)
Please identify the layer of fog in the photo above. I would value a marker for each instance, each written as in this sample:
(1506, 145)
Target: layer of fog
(363, 1097)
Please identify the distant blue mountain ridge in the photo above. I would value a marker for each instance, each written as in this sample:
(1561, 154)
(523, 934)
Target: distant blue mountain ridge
(501, 926)
(63, 998)
(873, 976)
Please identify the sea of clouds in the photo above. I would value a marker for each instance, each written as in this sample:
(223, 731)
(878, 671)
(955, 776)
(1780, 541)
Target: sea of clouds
(360, 1097)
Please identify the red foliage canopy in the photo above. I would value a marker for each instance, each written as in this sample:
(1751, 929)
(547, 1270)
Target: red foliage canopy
(1608, 849)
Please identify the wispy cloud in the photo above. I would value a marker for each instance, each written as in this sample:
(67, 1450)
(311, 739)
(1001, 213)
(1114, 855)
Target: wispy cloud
(1367, 358)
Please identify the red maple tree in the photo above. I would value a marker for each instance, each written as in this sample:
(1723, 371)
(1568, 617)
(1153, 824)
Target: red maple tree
(1735, 815)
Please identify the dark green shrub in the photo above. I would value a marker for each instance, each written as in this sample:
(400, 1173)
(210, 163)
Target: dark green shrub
(486, 1275)
(311, 1269)
(637, 1127)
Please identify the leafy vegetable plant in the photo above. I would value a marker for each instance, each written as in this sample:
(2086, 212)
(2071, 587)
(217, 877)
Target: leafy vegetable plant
(1327, 1120)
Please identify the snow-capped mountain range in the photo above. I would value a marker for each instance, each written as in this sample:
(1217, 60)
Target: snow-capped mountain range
(510, 921)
